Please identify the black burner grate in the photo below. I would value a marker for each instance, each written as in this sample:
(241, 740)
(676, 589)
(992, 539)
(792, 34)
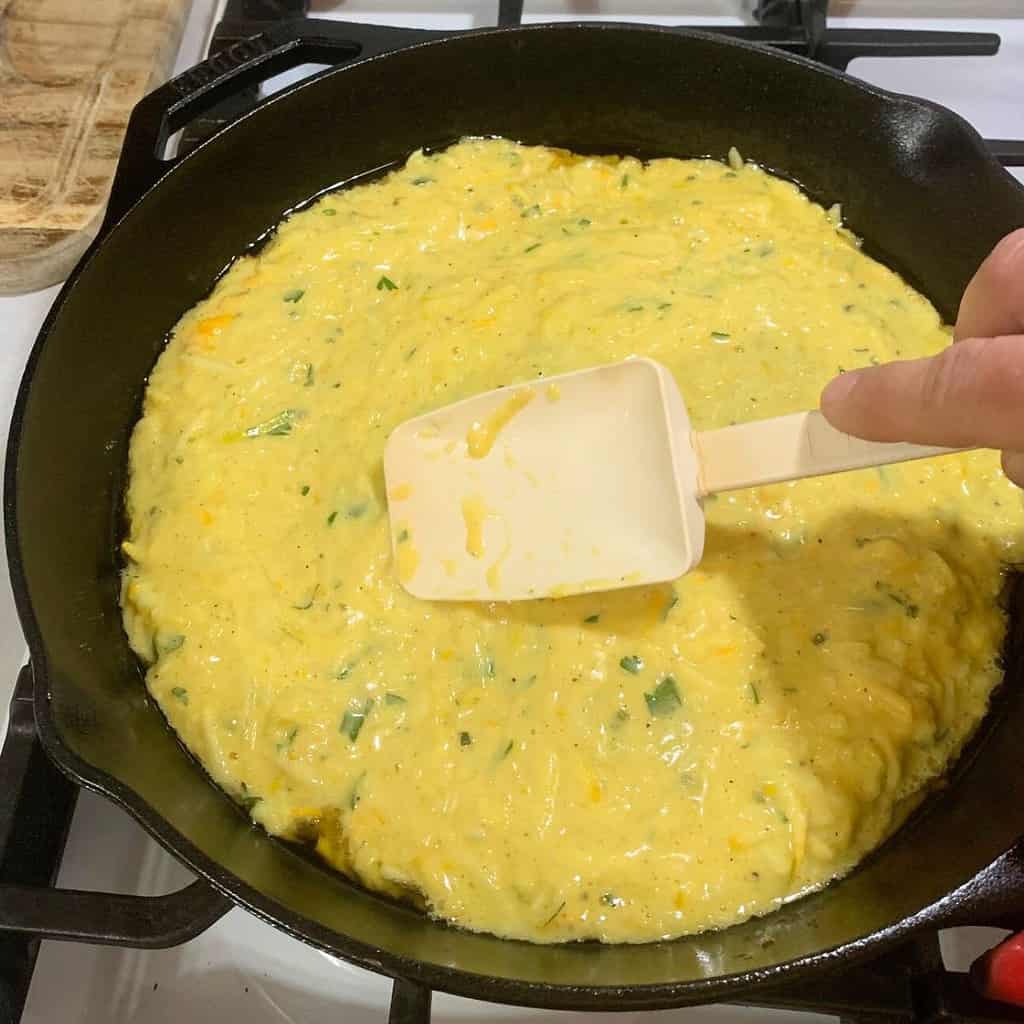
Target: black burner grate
(796, 26)
(907, 986)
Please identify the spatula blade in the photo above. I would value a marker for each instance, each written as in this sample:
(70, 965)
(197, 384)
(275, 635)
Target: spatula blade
(582, 482)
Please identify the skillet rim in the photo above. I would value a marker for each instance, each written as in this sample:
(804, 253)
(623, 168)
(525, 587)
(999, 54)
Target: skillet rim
(438, 976)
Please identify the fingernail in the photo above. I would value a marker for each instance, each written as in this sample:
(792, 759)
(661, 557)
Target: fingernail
(838, 390)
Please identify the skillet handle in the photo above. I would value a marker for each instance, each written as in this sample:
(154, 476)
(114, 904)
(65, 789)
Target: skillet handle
(246, 63)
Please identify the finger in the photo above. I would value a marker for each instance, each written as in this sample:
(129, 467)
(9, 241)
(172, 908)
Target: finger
(1013, 467)
(993, 303)
(970, 394)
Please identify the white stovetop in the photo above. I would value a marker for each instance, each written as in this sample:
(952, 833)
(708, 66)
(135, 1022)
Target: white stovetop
(244, 970)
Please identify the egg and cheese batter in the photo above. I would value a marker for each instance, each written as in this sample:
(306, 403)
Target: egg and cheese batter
(622, 766)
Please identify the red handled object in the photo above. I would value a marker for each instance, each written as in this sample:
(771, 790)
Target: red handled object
(999, 974)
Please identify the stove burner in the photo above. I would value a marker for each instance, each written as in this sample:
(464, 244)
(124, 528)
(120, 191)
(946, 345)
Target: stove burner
(909, 985)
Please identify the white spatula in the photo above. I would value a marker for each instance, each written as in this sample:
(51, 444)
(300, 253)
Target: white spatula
(587, 481)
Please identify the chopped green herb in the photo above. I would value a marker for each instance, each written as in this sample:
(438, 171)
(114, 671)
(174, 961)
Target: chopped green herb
(403, 536)
(506, 750)
(332, 517)
(554, 915)
(591, 619)
(276, 426)
(819, 638)
(328, 211)
(910, 609)
(288, 740)
(410, 353)
(669, 605)
(310, 376)
(465, 740)
(664, 699)
(293, 294)
(487, 666)
(386, 284)
(624, 181)
(422, 180)
(394, 698)
(166, 644)
(530, 248)
(632, 663)
(754, 695)
(346, 670)
(583, 222)
(181, 694)
(849, 307)
(760, 798)
(609, 899)
(766, 249)
(531, 211)
(354, 795)
(248, 800)
(664, 305)
(353, 719)
(304, 490)
(357, 511)
(720, 335)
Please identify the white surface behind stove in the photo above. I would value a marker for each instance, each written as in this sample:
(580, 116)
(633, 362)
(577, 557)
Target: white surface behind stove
(242, 970)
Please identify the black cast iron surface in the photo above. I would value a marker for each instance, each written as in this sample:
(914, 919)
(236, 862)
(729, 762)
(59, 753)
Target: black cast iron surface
(908, 166)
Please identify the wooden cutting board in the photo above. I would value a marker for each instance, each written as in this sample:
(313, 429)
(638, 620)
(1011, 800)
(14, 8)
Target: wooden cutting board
(70, 73)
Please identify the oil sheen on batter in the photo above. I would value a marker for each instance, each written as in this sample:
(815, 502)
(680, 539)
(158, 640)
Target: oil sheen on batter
(623, 766)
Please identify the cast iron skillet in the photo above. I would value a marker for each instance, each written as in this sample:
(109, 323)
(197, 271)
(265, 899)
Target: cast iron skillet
(915, 182)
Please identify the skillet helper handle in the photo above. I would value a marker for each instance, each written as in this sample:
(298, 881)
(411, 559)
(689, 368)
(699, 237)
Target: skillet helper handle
(36, 803)
(790, 447)
(169, 107)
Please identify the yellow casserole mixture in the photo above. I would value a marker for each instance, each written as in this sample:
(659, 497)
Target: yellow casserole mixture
(624, 766)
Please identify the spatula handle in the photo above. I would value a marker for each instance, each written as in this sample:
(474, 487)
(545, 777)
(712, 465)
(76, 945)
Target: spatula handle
(790, 448)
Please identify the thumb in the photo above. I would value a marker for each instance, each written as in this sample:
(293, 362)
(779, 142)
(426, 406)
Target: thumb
(969, 395)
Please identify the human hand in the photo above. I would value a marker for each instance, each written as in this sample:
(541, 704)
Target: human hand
(969, 395)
